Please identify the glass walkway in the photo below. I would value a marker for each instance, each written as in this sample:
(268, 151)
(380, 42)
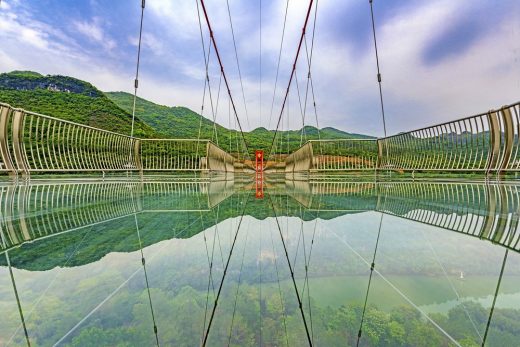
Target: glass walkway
(205, 262)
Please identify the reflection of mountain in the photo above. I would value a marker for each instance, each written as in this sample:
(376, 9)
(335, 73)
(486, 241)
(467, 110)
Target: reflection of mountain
(90, 220)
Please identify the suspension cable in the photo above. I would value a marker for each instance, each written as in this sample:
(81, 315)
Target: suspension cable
(309, 76)
(292, 73)
(301, 106)
(206, 76)
(278, 64)
(238, 64)
(215, 110)
(378, 69)
(212, 37)
(136, 81)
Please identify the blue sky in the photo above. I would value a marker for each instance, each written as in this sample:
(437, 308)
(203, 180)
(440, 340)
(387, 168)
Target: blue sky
(440, 59)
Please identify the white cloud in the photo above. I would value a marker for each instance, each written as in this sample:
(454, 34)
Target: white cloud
(93, 30)
(4, 5)
(486, 75)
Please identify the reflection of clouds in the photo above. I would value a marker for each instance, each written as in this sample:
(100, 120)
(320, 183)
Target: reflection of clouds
(266, 256)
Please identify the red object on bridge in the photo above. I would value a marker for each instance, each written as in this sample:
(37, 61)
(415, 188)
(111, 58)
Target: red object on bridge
(259, 169)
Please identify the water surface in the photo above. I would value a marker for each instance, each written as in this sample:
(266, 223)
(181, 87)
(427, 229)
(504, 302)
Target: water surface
(323, 263)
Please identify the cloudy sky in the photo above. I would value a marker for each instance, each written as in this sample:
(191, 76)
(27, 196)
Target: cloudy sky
(440, 59)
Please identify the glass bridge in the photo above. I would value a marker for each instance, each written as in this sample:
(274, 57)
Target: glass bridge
(313, 262)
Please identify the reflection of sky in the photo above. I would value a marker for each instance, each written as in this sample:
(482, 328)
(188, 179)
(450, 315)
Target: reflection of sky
(410, 255)
(440, 59)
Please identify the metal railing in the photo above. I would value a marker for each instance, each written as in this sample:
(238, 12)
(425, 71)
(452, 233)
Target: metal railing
(486, 211)
(334, 155)
(36, 143)
(487, 143)
(33, 211)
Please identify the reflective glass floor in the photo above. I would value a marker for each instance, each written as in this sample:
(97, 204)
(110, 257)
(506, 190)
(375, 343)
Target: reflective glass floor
(319, 263)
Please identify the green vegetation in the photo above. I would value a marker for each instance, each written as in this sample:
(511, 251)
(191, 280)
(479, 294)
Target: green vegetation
(125, 320)
(181, 122)
(70, 99)
(78, 101)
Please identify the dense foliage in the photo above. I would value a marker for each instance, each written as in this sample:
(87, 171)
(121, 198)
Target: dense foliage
(184, 123)
(126, 321)
(78, 101)
(70, 99)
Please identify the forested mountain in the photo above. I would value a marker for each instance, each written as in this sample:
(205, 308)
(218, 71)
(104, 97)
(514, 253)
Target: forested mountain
(183, 122)
(67, 98)
(79, 101)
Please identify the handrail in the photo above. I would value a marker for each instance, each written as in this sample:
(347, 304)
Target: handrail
(487, 142)
(31, 142)
(451, 121)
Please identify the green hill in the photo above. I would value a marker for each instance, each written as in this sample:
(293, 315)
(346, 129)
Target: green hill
(183, 122)
(67, 98)
(79, 101)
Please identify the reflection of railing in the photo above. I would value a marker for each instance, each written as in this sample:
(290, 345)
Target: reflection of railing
(35, 143)
(486, 211)
(33, 211)
(487, 142)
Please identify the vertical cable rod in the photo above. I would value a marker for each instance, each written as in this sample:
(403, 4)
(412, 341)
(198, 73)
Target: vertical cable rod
(136, 81)
(292, 73)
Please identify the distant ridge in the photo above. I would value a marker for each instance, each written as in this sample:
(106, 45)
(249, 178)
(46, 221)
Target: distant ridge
(79, 101)
(182, 122)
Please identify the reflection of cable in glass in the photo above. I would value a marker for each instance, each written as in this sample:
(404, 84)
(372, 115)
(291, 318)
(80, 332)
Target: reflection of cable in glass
(495, 297)
(372, 266)
(205, 340)
(94, 310)
(4, 244)
(143, 262)
(406, 298)
(36, 304)
(307, 264)
(211, 281)
(238, 286)
(292, 272)
(451, 285)
(282, 303)
(17, 297)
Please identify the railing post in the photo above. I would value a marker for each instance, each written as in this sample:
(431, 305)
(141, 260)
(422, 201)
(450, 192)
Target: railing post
(5, 114)
(494, 140)
(137, 155)
(509, 135)
(379, 153)
(208, 160)
(19, 154)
